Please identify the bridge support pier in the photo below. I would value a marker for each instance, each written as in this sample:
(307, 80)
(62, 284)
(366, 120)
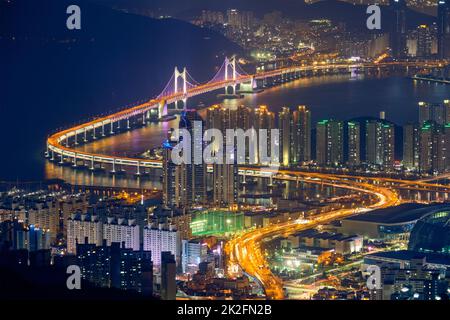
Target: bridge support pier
(103, 129)
(85, 134)
(92, 164)
(138, 169)
(114, 166)
(112, 128)
(162, 109)
(61, 161)
(74, 165)
(270, 181)
(128, 123)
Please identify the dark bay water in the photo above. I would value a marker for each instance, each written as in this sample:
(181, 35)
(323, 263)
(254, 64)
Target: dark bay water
(340, 97)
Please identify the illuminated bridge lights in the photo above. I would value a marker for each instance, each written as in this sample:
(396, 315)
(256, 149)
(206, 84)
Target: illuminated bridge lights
(244, 250)
(229, 75)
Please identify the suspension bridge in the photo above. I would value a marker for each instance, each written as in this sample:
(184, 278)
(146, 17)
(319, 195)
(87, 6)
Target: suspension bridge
(180, 87)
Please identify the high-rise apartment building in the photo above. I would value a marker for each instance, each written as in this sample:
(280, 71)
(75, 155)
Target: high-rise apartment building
(82, 228)
(122, 231)
(434, 150)
(411, 146)
(354, 149)
(184, 185)
(330, 142)
(286, 136)
(380, 143)
(193, 174)
(295, 135)
(159, 238)
(225, 185)
(302, 134)
(398, 32)
(436, 112)
(443, 33)
(168, 289)
(424, 41)
(263, 119)
(113, 266)
(193, 252)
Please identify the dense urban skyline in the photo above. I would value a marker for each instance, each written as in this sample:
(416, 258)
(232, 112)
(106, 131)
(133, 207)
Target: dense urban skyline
(240, 186)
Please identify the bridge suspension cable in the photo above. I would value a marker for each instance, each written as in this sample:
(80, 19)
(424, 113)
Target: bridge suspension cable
(174, 86)
(229, 70)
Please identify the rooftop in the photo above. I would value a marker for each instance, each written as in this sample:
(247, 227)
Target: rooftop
(408, 212)
(407, 255)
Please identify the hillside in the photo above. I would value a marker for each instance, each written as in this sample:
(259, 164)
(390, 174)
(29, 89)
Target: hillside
(53, 77)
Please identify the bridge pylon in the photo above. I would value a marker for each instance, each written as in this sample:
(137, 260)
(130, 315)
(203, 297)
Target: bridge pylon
(230, 63)
(162, 109)
(182, 75)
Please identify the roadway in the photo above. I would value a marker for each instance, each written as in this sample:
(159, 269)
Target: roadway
(245, 250)
(57, 144)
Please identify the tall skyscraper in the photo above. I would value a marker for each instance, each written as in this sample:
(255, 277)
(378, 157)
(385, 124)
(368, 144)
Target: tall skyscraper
(225, 185)
(380, 143)
(225, 175)
(388, 134)
(262, 118)
(441, 149)
(113, 266)
(17, 236)
(46, 217)
(240, 19)
(122, 231)
(234, 18)
(159, 238)
(286, 136)
(443, 29)
(354, 153)
(447, 111)
(168, 276)
(184, 184)
(424, 41)
(171, 177)
(436, 112)
(434, 150)
(329, 142)
(397, 35)
(193, 252)
(426, 147)
(424, 112)
(82, 228)
(193, 174)
(223, 118)
(295, 135)
(411, 146)
(302, 134)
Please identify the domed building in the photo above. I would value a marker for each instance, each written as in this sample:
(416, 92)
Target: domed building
(432, 233)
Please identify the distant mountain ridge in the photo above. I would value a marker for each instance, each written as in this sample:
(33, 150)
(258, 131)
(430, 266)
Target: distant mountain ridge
(53, 77)
(354, 15)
